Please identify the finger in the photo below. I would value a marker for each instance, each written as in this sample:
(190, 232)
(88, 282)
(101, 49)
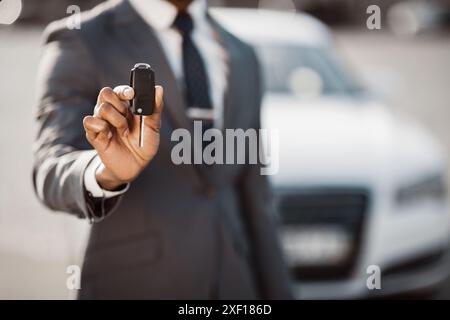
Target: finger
(159, 92)
(124, 92)
(154, 121)
(95, 125)
(97, 130)
(108, 95)
(107, 112)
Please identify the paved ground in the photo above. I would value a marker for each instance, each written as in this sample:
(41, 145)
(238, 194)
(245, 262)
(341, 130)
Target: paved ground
(37, 245)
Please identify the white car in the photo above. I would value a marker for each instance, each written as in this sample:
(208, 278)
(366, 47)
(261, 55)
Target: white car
(360, 191)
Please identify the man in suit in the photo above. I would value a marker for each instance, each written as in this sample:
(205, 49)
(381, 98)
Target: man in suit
(177, 231)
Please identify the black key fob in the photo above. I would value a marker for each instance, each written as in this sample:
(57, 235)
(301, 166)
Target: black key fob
(142, 80)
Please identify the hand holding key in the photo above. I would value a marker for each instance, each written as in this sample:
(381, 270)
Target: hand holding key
(114, 131)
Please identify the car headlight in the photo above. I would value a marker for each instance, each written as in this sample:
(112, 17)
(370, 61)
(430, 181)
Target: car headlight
(432, 187)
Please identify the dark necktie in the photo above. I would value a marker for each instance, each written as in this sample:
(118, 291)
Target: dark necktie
(195, 76)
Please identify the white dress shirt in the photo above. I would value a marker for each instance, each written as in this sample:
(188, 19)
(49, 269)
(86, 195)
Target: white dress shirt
(160, 15)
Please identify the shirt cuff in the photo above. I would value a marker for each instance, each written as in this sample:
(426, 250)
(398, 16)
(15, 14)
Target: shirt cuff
(92, 186)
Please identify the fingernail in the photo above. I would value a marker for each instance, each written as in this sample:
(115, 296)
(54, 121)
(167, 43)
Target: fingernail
(110, 134)
(125, 133)
(127, 92)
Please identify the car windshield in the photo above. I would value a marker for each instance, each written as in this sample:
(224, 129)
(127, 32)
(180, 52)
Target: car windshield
(291, 69)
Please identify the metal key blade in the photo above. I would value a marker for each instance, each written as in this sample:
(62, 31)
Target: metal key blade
(141, 131)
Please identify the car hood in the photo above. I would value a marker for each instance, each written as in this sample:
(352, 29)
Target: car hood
(345, 141)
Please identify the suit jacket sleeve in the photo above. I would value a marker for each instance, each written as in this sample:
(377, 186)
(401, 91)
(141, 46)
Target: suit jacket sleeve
(67, 89)
(272, 273)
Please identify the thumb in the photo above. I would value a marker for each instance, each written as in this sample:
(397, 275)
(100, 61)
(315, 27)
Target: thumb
(124, 92)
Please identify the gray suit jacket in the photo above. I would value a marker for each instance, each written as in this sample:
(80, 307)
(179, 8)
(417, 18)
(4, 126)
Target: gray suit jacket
(185, 231)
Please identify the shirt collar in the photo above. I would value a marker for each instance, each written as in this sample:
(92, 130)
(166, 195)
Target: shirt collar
(160, 14)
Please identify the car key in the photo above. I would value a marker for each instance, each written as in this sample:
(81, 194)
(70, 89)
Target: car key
(142, 80)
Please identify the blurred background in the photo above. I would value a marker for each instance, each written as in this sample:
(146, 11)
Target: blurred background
(363, 115)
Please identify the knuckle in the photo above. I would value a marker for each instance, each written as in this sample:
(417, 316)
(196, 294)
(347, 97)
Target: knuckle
(120, 107)
(106, 92)
(105, 108)
(155, 129)
(104, 126)
(124, 106)
(120, 122)
(123, 122)
(86, 121)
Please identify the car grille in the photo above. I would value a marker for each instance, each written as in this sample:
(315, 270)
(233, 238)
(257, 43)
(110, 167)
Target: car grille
(342, 209)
